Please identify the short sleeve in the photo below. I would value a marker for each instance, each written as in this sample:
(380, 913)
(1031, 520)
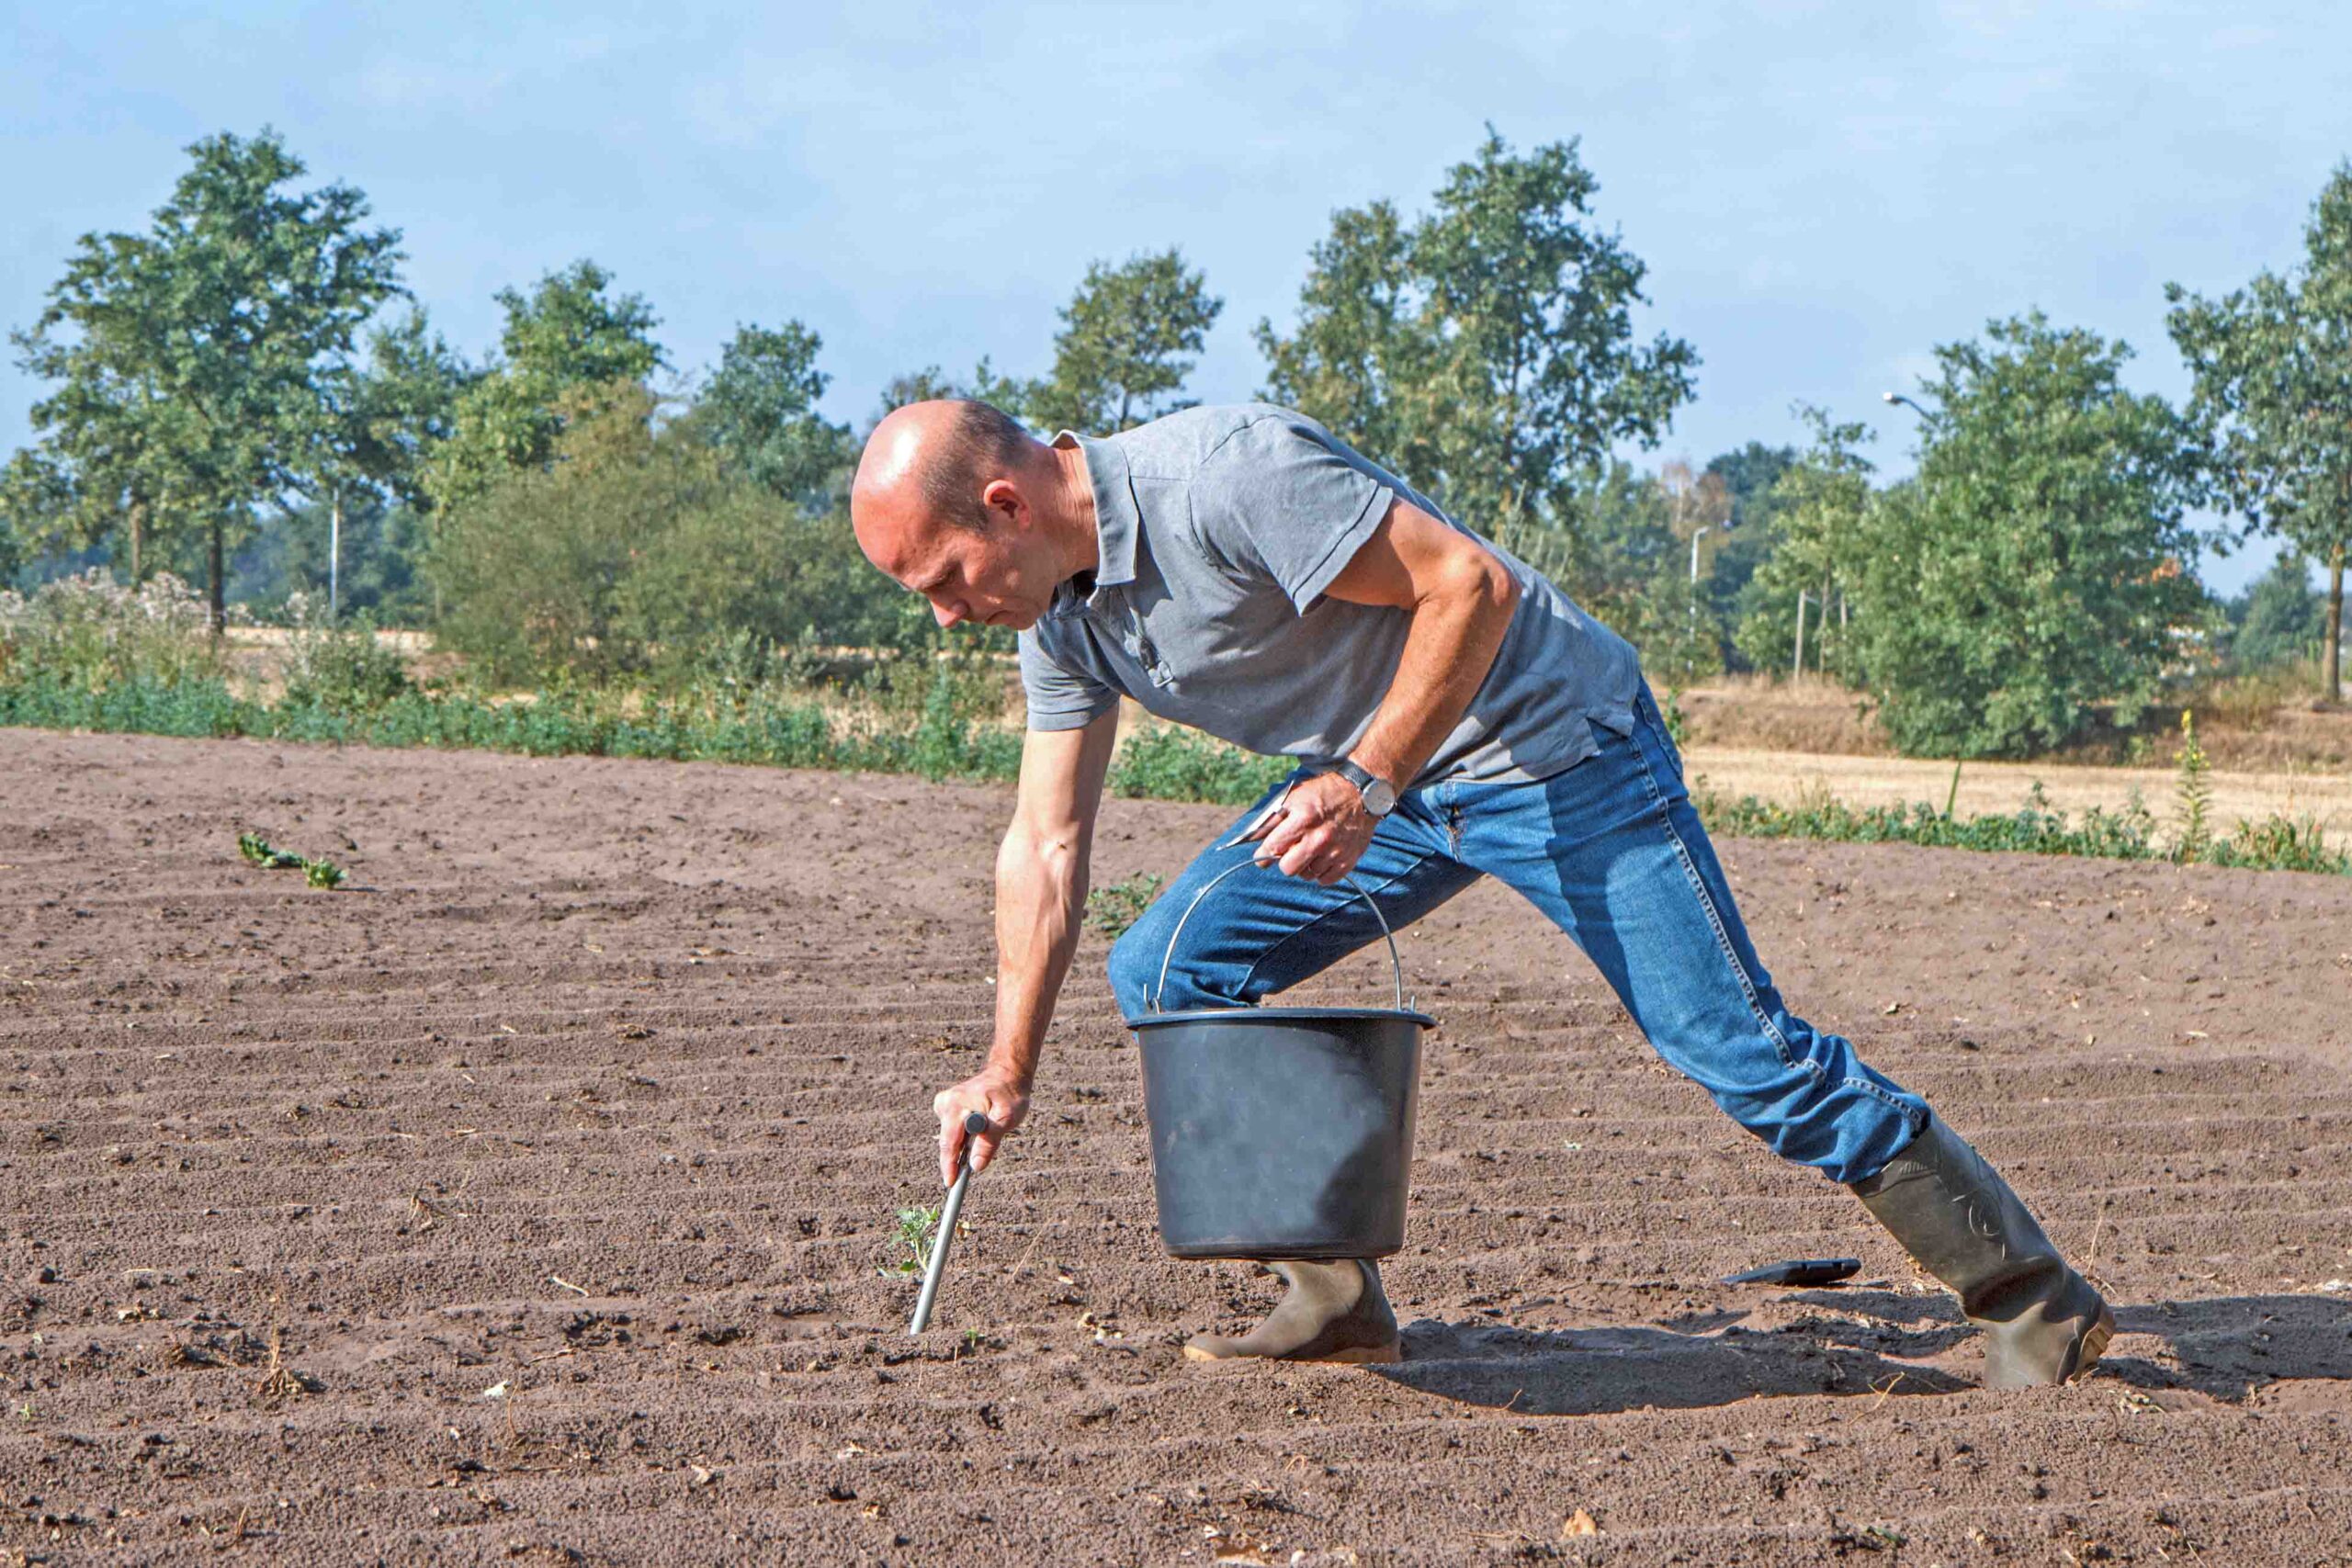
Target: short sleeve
(1279, 497)
(1059, 698)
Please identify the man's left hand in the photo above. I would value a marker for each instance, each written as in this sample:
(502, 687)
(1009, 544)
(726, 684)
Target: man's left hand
(1321, 832)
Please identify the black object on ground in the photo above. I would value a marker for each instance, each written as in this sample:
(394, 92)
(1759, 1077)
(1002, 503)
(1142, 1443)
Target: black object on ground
(1799, 1272)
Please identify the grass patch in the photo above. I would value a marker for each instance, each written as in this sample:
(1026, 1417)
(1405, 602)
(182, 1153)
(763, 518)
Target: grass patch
(1112, 909)
(1183, 765)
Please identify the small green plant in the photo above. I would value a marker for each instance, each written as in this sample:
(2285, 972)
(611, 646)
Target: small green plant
(263, 853)
(270, 857)
(2194, 790)
(1111, 910)
(917, 1230)
(1676, 723)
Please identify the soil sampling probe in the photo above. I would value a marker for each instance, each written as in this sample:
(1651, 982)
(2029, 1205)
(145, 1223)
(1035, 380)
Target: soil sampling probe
(974, 1123)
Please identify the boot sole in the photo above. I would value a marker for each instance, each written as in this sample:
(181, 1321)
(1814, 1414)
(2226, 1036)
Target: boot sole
(1370, 1355)
(2094, 1345)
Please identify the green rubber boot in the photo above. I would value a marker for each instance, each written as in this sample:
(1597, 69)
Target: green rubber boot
(2042, 1321)
(1335, 1312)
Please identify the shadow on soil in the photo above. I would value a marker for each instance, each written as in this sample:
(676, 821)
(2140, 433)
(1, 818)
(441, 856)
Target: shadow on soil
(1863, 1342)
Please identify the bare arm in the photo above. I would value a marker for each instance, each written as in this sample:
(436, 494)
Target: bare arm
(1041, 879)
(1461, 598)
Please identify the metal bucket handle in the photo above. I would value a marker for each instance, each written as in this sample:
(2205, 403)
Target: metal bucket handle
(1395, 959)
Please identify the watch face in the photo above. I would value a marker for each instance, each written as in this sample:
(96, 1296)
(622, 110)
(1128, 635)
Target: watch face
(1379, 797)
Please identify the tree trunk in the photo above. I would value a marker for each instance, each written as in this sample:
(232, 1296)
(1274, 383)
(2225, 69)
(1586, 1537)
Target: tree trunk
(335, 558)
(2331, 657)
(1796, 670)
(1821, 659)
(220, 610)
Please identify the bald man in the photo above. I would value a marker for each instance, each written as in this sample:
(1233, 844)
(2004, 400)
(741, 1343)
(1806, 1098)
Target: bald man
(1243, 571)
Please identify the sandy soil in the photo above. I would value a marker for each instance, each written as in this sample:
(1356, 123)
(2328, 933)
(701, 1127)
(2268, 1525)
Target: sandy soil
(530, 1202)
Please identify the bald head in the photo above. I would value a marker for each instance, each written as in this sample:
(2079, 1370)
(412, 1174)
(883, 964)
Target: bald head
(930, 464)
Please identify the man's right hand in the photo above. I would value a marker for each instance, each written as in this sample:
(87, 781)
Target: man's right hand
(999, 1096)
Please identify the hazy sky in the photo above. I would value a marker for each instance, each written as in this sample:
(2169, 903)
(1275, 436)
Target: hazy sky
(1821, 191)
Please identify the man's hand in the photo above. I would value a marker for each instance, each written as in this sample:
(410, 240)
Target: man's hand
(998, 1096)
(1320, 833)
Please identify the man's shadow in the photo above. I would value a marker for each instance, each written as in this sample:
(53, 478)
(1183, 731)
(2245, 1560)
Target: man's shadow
(1866, 1342)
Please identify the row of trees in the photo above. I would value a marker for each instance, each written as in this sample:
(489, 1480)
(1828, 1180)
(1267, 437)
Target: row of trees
(244, 388)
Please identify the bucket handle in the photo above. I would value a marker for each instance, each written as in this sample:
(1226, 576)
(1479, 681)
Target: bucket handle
(1396, 961)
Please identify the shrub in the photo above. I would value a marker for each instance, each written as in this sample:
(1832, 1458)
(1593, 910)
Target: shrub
(1183, 765)
(338, 665)
(90, 633)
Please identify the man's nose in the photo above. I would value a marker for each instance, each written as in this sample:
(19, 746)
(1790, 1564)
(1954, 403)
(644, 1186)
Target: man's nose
(946, 615)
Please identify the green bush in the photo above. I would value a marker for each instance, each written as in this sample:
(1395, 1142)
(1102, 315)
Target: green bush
(1183, 765)
(636, 552)
(339, 665)
(93, 633)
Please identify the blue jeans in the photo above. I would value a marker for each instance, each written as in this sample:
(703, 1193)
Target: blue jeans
(1612, 853)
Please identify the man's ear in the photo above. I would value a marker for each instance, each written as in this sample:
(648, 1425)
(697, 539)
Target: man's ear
(1004, 501)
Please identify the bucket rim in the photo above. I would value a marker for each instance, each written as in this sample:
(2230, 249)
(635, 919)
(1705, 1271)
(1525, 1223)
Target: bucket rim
(1291, 1015)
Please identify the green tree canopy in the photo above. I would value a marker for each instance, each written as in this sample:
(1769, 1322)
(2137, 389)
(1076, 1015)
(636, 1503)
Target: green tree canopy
(2037, 566)
(1818, 511)
(1130, 336)
(567, 333)
(641, 548)
(191, 357)
(1486, 350)
(759, 408)
(2281, 617)
(2273, 364)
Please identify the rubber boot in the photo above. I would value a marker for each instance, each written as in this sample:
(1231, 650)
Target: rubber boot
(1335, 1312)
(1952, 1213)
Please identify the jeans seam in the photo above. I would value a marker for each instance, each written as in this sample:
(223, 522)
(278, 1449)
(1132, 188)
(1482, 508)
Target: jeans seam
(1714, 916)
(1321, 915)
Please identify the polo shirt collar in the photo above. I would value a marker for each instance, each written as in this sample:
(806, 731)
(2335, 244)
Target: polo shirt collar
(1117, 518)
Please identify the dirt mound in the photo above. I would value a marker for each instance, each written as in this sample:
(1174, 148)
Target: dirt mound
(532, 1202)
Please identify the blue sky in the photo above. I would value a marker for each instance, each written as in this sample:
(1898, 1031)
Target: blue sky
(1823, 192)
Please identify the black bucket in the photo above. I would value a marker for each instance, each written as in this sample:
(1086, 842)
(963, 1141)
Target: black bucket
(1281, 1132)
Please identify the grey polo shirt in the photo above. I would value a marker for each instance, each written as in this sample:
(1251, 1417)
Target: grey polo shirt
(1219, 530)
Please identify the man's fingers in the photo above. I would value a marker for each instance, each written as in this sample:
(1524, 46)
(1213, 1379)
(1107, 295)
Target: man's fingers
(984, 1148)
(950, 1144)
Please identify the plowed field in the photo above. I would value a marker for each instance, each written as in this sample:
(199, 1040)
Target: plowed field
(531, 1200)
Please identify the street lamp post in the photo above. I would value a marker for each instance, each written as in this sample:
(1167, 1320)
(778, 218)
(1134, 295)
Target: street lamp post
(1692, 632)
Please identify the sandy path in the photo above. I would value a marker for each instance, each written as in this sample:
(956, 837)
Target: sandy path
(1991, 787)
(665, 1034)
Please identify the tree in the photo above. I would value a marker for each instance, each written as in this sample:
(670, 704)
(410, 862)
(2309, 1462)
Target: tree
(759, 408)
(1485, 351)
(2280, 618)
(2036, 565)
(190, 357)
(1749, 473)
(1129, 337)
(1819, 510)
(2273, 401)
(638, 550)
(566, 335)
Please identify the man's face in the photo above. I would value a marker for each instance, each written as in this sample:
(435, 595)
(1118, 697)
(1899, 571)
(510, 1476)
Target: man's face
(1002, 576)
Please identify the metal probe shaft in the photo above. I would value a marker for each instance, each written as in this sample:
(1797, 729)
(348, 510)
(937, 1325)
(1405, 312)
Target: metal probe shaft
(974, 1122)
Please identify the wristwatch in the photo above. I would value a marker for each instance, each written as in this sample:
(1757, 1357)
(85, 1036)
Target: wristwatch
(1379, 795)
